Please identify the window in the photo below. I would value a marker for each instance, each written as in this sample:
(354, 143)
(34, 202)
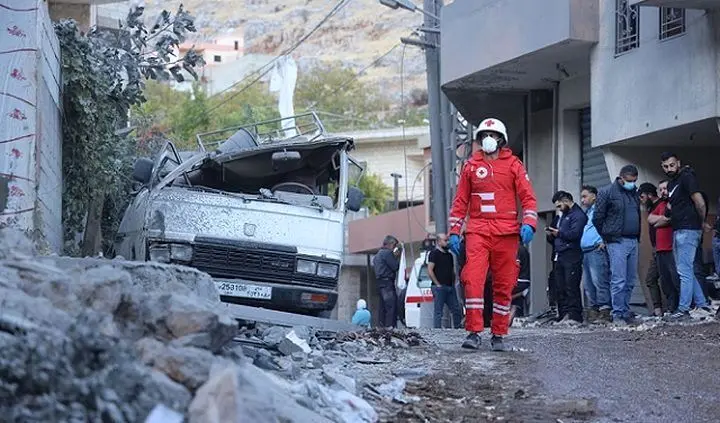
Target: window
(237, 45)
(672, 22)
(627, 27)
(217, 59)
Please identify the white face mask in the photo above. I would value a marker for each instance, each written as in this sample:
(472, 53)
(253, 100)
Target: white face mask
(489, 145)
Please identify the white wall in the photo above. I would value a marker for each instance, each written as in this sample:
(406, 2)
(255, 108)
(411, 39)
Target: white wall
(30, 136)
(574, 95)
(659, 85)
(386, 157)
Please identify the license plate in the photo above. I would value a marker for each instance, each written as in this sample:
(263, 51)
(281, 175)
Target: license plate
(244, 290)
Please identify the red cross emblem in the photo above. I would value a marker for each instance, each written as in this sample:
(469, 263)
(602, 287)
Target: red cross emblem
(490, 123)
(481, 172)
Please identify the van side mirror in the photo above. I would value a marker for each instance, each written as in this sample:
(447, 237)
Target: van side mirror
(355, 198)
(142, 171)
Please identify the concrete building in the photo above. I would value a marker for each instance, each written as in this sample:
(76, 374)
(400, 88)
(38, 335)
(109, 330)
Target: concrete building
(88, 13)
(384, 152)
(587, 86)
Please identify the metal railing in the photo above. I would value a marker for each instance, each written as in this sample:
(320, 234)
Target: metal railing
(306, 125)
(627, 27)
(672, 22)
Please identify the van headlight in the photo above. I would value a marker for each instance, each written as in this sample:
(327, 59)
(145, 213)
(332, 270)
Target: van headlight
(327, 270)
(166, 253)
(306, 266)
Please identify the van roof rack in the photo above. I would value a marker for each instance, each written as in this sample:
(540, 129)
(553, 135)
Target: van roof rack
(304, 127)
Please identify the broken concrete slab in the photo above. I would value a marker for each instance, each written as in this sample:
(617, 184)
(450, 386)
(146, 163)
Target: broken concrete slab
(292, 344)
(173, 316)
(147, 276)
(281, 318)
(240, 394)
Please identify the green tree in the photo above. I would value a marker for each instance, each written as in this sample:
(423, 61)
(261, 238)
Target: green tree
(104, 76)
(336, 89)
(377, 194)
(181, 115)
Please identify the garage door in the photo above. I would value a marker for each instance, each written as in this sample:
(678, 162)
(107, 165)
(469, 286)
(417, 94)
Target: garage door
(594, 170)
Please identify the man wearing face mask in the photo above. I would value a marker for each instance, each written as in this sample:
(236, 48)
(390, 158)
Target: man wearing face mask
(617, 220)
(490, 182)
(687, 212)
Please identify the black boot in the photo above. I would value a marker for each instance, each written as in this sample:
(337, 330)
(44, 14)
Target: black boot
(497, 343)
(472, 341)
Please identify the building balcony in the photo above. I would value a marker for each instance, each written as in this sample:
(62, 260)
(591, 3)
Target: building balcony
(515, 45)
(681, 4)
(365, 236)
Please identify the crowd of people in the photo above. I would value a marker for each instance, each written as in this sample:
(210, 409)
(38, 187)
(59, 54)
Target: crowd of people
(595, 245)
(601, 243)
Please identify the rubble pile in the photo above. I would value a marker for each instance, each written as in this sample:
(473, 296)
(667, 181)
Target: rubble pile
(118, 341)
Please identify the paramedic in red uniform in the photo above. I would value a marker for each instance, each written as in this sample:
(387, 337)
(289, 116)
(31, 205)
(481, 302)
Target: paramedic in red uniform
(491, 182)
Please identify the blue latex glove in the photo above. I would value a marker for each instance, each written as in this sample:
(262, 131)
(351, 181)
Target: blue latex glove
(526, 234)
(454, 244)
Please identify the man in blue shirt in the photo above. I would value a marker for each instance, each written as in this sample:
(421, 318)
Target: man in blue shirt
(596, 263)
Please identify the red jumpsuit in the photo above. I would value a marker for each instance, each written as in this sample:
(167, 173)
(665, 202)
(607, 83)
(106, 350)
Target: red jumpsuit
(487, 196)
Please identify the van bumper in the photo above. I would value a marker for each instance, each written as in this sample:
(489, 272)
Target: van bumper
(282, 297)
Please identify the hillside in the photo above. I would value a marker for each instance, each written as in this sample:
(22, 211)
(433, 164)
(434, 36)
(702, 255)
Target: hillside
(359, 34)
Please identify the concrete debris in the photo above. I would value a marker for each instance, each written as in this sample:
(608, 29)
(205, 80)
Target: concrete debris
(246, 394)
(292, 344)
(274, 335)
(336, 405)
(117, 341)
(162, 414)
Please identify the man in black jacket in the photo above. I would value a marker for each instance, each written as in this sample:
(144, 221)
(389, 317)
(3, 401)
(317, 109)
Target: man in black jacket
(617, 219)
(568, 256)
(386, 265)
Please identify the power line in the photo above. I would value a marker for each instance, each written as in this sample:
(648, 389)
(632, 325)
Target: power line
(359, 73)
(268, 66)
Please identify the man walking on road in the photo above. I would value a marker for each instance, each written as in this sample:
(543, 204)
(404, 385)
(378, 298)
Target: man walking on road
(650, 200)
(687, 211)
(441, 269)
(617, 219)
(490, 183)
(596, 263)
(386, 266)
(664, 249)
(569, 258)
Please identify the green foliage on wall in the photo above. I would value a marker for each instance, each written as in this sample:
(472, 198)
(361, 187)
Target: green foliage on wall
(104, 74)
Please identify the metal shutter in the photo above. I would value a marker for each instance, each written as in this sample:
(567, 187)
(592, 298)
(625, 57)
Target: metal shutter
(594, 170)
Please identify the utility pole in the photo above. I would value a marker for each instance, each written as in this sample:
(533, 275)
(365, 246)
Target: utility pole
(435, 109)
(396, 190)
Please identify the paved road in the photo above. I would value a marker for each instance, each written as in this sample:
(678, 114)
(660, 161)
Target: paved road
(667, 374)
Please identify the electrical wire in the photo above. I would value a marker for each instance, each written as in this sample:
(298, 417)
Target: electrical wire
(269, 65)
(359, 73)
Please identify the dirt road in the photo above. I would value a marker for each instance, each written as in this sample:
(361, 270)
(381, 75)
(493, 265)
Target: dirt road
(664, 374)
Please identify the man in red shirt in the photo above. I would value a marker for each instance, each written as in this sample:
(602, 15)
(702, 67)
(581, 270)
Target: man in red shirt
(663, 234)
(490, 183)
